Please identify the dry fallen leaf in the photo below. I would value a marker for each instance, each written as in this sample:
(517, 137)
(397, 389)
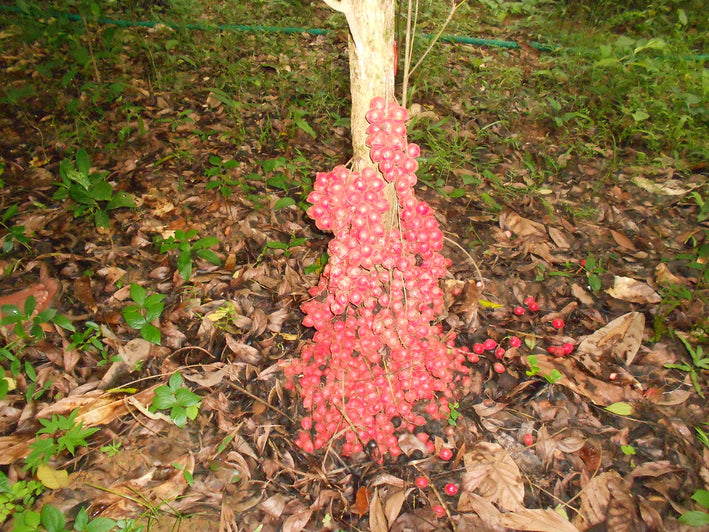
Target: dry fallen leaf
(492, 472)
(537, 520)
(619, 340)
(632, 290)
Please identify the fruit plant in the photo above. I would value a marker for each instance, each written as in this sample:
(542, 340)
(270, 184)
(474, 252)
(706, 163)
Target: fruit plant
(182, 402)
(90, 192)
(147, 309)
(189, 250)
(377, 362)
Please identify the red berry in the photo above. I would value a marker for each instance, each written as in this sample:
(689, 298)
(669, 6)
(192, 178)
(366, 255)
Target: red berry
(445, 454)
(500, 353)
(533, 306)
(439, 510)
(478, 348)
(489, 344)
(528, 439)
(557, 323)
(473, 358)
(528, 300)
(515, 342)
(421, 482)
(498, 367)
(613, 376)
(451, 489)
(519, 311)
(582, 262)
(567, 348)
(556, 350)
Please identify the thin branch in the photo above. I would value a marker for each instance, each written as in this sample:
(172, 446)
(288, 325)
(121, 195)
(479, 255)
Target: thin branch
(455, 7)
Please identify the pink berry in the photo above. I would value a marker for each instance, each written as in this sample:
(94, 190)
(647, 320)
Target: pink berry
(498, 367)
(613, 376)
(489, 344)
(567, 348)
(421, 482)
(451, 489)
(557, 323)
(515, 342)
(445, 454)
(519, 311)
(556, 350)
(478, 348)
(500, 353)
(439, 510)
(528, 300)
(528, 439)
(533, 306)
(473, 358)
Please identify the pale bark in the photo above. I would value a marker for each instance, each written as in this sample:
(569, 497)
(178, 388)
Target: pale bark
(371, 54)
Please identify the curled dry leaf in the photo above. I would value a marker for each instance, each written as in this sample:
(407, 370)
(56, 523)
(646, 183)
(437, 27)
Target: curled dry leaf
(492, 472)
(632, 290)
(619, 340)
(297, 521)
(537, 520)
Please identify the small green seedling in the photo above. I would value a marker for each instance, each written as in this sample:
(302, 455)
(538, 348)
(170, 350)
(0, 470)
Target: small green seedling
(220, 176)
(15, 234)
(285, 246)
(183, 403)
(699, 363)
(534, 369)
(696, 517)
(147, 309)
(593, 270)
(91, 193)
(15, 497)
(90, 341)
(454, 414)
(21, 318)
(62, 434)
(702, 436)
(51, 519)
(189, 250)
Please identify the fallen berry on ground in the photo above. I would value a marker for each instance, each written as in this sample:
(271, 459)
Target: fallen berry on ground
(478, 348)
(528, 300)
(533, 306)
(498, 367)
(445, 454)
(519, 311)
(421, 482)
(557, 323)
(515, 342)
(489, 344)
(500, 353)
(528, 439)
(567, 348)
(439, 510)
(451, 489)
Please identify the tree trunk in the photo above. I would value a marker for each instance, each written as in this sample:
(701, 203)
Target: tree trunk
(372, 62)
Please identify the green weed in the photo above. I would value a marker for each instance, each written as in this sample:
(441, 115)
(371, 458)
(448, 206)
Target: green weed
(147, 309)
(190, 248)
(534, 369)
(699, 363)
(28, 325)
(90, 192)
(697, 517)
(62, 434)
(182, 402)
(14, 234)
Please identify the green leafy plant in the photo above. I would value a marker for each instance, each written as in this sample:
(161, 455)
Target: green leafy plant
(220, 176)
(147, 309)
(51, 519)
(284, 246)
(112, 449)
(61, 434)
(702, 436)
(454, 414)
(90, 340)
(189, 249)
(91, 193)
(17, 496)
(699, 363)
(593, 269)
(534, 369)
(23, 318)
(182, 402)
(15, 234)
(697, 517)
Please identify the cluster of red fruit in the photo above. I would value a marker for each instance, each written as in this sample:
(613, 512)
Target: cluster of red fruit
(375, 355)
